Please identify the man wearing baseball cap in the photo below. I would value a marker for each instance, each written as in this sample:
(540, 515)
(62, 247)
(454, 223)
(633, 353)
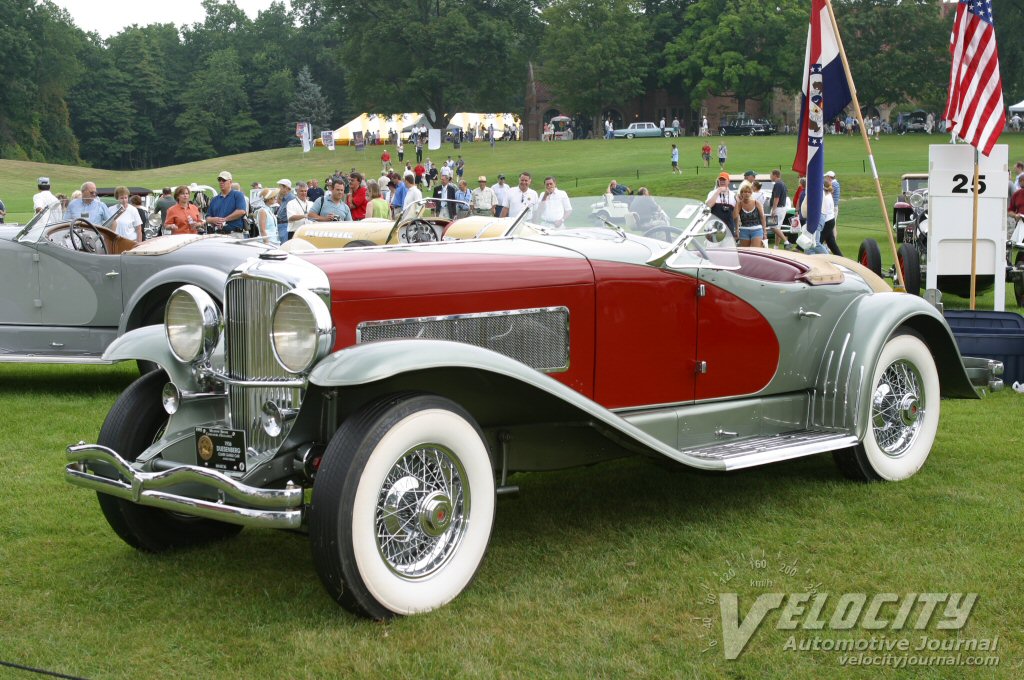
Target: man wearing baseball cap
(284, 197)
(226, 209)
(45, 198)
(722, 201)
(484, 199)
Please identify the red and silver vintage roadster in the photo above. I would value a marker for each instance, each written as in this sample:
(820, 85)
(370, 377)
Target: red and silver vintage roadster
(379, 398)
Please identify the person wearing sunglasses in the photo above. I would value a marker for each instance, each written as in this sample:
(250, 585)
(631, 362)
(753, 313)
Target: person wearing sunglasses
(227, 209)
(88, 207)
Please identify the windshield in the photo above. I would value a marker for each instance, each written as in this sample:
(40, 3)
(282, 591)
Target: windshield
(54, 215)
(48, 217)
(914, 184)
(431, 207)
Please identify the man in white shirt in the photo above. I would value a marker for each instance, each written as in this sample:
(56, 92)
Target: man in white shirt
(501, 193)
(554, 205)
(298, 209)
(45, 198)
(522, 197)
(412, 192)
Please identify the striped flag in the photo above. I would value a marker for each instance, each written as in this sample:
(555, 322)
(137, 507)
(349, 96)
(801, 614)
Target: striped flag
(825, 94)
(974, 111)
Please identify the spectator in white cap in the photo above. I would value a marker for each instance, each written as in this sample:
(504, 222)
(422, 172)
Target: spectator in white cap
(831, 174)
(284, 197)
(45, 198)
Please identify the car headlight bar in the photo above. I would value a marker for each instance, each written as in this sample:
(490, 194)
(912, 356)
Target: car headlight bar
(302, 332)
(192, 323)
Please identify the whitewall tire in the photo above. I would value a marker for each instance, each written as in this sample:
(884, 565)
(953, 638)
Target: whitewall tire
(403, 506)
(903, 416)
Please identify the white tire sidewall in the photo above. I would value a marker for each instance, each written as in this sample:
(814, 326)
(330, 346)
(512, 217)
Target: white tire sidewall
(406, 596)
(912, 349)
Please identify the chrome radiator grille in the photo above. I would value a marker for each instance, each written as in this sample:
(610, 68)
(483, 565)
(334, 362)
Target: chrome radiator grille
(538, 338)
(248, 305)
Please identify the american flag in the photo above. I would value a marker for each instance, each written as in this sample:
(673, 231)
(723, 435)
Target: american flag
(974, 111)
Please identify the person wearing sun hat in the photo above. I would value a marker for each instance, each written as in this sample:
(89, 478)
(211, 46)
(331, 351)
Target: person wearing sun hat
(484, 199)
(722, 201)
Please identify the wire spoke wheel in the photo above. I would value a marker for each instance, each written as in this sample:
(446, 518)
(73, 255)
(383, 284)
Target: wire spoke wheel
(421, 511)
(898, 408)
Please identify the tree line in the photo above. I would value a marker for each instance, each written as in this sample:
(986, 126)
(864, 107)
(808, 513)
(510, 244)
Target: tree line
(157, 95)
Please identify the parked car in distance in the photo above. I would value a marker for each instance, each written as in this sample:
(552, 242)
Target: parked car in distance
(380, 398)
(746, 126)
(642, 130)
(72, 287)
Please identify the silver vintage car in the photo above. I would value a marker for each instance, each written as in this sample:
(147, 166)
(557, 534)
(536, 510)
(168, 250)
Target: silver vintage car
(71, 287)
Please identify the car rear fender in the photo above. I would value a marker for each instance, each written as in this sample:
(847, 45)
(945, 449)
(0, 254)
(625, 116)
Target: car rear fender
(842, 395)
(150, 297)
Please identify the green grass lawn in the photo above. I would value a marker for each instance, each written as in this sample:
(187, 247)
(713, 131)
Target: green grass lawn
(603, 571)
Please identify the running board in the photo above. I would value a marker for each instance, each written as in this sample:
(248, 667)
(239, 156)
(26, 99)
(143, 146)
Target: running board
(52, 359)
(751, 451)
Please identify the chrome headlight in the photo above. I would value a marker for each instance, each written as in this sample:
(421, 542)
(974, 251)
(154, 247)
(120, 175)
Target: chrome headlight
(192, 323)
(301, 330)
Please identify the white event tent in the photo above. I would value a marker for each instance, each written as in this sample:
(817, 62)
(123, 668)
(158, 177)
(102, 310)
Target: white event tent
(1017, 108)
(403, 122)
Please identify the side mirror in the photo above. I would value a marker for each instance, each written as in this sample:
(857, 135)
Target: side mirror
(715, 231)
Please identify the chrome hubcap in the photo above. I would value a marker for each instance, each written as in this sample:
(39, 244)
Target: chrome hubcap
(422, 511)
(897, 407)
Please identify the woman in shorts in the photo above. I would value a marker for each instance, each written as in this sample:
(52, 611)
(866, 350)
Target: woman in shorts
(749, 215)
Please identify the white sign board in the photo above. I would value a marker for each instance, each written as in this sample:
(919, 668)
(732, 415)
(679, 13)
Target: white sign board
(951, 214)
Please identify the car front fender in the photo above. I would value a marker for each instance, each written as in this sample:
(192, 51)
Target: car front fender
(158, 287)
(149, 343)
(843, 389)
(490, 385)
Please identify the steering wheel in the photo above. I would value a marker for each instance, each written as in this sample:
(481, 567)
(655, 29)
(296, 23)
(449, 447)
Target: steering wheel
(93, 245)
(664, 233)
(419, 231)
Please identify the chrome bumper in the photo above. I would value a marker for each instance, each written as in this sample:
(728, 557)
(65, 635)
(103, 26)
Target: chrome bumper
(984, 373)
(267, 508)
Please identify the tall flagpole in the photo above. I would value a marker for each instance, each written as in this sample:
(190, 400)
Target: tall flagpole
(898, 278)
(974, 233)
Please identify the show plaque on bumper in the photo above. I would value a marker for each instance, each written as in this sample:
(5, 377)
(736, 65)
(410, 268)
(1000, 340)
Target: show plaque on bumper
(220, 448)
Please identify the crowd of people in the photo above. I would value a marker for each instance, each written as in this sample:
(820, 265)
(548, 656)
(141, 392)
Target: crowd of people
(275, 213)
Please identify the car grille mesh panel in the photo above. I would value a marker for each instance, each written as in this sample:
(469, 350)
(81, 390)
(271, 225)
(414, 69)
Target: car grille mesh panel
(538, 338)
(248, 306)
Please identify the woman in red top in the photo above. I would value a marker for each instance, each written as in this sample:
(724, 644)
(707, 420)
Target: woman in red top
(182, 217)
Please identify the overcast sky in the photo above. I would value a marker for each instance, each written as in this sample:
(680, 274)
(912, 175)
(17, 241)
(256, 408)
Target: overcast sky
(108, 17)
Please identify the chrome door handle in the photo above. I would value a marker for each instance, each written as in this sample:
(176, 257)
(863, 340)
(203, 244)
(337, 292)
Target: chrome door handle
(112, 275)
(805, 314)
